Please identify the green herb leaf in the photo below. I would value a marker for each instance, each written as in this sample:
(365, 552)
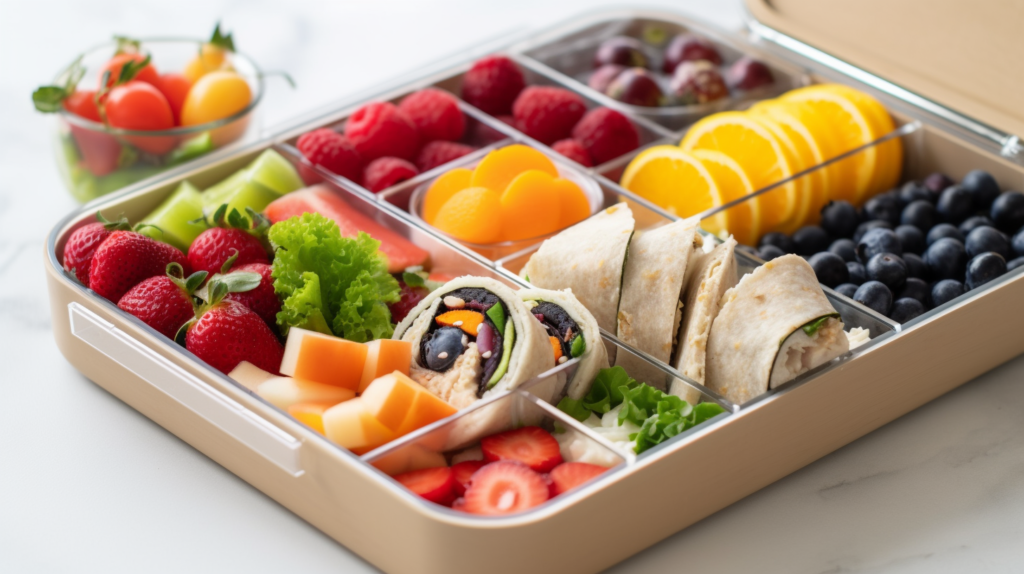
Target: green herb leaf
(497, 316)
(49, 99)
(413, 279)
(574, 408)
(126, 45)
(812, 327)
(578, 346)
(222, 40)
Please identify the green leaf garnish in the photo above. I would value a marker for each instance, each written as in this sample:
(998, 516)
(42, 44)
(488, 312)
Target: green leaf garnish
(574, 408)
(578, 346)
(48, 99)
(413, 279)
(812, 327)
(497, 316)
(222, 40)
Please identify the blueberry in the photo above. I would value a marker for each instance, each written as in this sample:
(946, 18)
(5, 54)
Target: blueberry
(921, 214)
(868, 226)
(1018, 243)
(973, 222)
(982, 187)
(443, 347)
(903, 310)
(915, 266)
(984, 268)
(769, 252)
(945, 291)
(811, 239)
(889, 269)
(747, 249)
(780, 240)
(955, 204)
(913, 191)
(944, 230)
(937, 182)
(984, 239)
(844, 248)
(915, 289)
(946, 259)
(849, 289)
(856, 272)
(1015, 263)
(1008, 211)
(830, 268)
(839, 218)
(878, 241)
(911, 239)
(885, 207)
(875, 296)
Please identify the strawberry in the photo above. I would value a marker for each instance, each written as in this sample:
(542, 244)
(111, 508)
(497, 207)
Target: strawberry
(569, 475)
(409, 297)
(226, 333)
(228, 234)
(532, 446)
(164, 302)
(125, 258)
(82, 245)
(262, 300)
(462, 472)
(434, 484)
(504, 487)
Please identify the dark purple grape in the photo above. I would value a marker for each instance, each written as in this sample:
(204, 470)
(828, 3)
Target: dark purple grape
(689, 48)
(982, 187)
(696, 83)
(984, 268)
(748, 74)
(603, 76)
(635, 86)
(621, 50)
(1008, 211)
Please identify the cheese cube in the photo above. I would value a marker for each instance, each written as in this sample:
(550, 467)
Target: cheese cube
(326, 359)
(249, 375)
(385, 356)
(350, 425)
(310, 414)
(283, 392)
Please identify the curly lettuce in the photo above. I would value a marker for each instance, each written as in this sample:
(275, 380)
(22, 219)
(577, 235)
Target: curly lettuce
(329, 283)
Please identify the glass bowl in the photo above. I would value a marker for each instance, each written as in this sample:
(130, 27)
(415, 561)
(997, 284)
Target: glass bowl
(95, 159)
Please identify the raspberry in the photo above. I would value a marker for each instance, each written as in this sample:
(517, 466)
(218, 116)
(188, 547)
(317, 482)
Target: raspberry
(384, 172)
(329, 149)
(606, 134)
(492, 84)
(573, 150)
(439, 152)
(435, 114)
(378, 129)
(547, 114)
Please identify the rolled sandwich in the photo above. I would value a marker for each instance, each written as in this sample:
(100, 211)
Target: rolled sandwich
(713, 273)
(652, 286)
(773, 326)
(572, 332)
(588, 258)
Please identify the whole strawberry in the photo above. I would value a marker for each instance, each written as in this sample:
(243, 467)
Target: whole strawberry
(164, 302)
(262, 299)
(125, 258)
(230, 234)
(227, 333)
(82, 245)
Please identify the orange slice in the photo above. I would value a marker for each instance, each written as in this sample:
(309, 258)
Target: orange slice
(443, 188)
(530, 206)
(472, 215)
(805, 185)
(677, 181)
(743, 221)
(498, 168)
(575, 205)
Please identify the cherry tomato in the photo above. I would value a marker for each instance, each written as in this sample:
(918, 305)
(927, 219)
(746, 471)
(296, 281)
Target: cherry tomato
(82, 103)
(210, 58)
(114, 65)
(175, 88)
(215, 96)
(140, 106)
(99, 151)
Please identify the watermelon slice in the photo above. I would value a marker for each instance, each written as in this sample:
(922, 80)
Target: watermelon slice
(401, 253)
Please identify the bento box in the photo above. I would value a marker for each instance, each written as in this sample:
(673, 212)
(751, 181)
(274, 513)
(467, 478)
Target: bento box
(349, 494)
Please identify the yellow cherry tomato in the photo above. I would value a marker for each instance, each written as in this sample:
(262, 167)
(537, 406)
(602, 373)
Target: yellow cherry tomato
(214, 96)
(210, 58)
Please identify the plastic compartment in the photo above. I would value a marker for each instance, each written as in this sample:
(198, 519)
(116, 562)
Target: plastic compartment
(567, 53)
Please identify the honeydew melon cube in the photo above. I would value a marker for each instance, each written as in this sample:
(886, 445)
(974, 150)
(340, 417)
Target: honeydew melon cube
(172, 218)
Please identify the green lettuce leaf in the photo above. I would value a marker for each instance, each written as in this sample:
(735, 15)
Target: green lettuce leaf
(331, 283)
(574, 408)
(608, 390)
(671, 417)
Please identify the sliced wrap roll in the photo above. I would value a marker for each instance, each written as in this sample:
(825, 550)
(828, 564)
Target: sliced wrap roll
(773, 326)
(713, 274)
(566, 318)
(652, 286)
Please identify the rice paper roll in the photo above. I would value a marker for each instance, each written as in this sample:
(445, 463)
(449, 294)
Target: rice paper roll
(713, 274)
(774, 325)
(650, 310)
(565, 318)
(588, 258)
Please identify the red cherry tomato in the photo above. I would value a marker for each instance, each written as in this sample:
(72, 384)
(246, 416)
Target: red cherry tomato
(82, 103)
(175, 88)
(99, 151)
(114, 65)
(140, 106)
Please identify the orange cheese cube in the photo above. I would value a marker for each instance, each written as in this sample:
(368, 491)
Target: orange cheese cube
(313, 356)
(385, 356)
(283, 392)
(426, 408)
(390, 397)
(310, 414)
(350, 425)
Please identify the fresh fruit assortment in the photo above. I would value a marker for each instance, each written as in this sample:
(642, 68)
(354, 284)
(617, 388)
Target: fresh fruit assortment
(768, 144)
(514, 193)
(915, 247)
(131, 94)
(688, 71)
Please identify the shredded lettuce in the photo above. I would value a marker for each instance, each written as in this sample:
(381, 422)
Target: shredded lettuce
(330, 283)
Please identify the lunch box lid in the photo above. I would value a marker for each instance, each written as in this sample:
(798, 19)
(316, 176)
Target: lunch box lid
(962, 56)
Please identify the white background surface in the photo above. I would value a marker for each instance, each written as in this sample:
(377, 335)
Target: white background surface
(89, 485)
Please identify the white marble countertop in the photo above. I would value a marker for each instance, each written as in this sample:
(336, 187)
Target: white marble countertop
(88, 484)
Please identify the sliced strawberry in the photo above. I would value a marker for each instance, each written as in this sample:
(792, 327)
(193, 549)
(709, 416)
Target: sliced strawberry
(504, 487)
(532, 446)
(462, 472)
(569, 475)
(434, 484)
(409, 298)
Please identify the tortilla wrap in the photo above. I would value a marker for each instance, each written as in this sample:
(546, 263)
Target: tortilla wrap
(595, 357)
(652, 286)
(757, 341)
